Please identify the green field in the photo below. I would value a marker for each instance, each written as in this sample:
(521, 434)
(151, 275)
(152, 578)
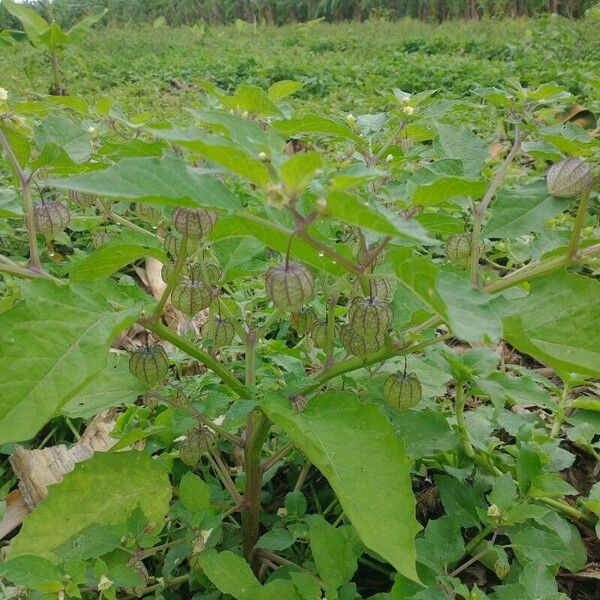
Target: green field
(344, 67)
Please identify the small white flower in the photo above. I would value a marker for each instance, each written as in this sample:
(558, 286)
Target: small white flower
(408, 110)
(389, 158)
(350, 118)
(262, 156)
(3, 94)
(91, 129)
(104, 583)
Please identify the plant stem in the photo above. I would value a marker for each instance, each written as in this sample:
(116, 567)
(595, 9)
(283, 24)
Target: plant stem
(170, 336)
(332, 301)
(568, 510)
(113, 216)
(34, 254)
(386, 146)
(9, 266)
(277, 457)
(485, 202)
(179, 264)
(463, 433)
(257, 429)
(579, 221)
(302, 476)
(223, 472)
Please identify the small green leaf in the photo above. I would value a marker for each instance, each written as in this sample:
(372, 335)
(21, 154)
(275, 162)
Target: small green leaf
(442, 190)
(32, 572)
(194, 493)
(312, 123)
(459, 143)
(297, 171)
(282, 89)
(230, 573)
(276, 539)
(460, 499)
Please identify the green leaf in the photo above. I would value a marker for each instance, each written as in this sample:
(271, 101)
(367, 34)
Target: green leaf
(504, 492)
(10, 206)
(33, 24)
(167, 180)
(538, 580)
(53, 342)
(441, 190)
(275, 539)
(105, 489)
(54, 37)
(220, 150)
(239, 256)
(312, 123)
(521, 211)
(366, 467)
(32, 572)
(59, 133)
(297, 171)
(458, 143)
(460, 499)
(230, 573)
(251, 99)
(533, 543)
(442, 543)
(118, 251)
(82, 27)
(194, 492)
(558, 323)
(113, 385)
(333, 553)
(282, 89)
(279, 589)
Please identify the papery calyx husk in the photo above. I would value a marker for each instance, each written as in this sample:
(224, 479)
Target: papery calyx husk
(377, 286)
(568, 177)
(83, 199)
(190, 296)
(150, 365)
(290, 285)
(194, 223)
(303, 320)
(208, 273)
(402, 391)
(370, 317)
(220, 331)
(51, 217)
(197, 442)
(148, 212)
(356, 344)
(459, 249)
(318, 333)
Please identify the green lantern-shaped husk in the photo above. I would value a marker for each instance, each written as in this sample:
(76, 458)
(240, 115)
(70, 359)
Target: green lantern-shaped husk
(220, 331)
(191, 296)
(172, 244)
(99, 237)
(568, 178)
(362, 254)
(197, 442)
(83, 199)
(318, 333)
(460, 247)
(370, 317)
(356, 344)
(303, 320)
(51, 218)
(194, 223)
(290, 285)
(149, 365)
(148, 213)
(140, 569)
(402, 391)
(206, 272)
(378, 287)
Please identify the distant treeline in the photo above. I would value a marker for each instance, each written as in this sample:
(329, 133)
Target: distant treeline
(279, 12)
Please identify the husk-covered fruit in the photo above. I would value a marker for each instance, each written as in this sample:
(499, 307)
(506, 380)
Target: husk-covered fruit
(99, 237)
(303, 320)
(460, 247)
(194, 223)
(318, 333)
(220, 331)
(82, 199)
(290, 285)
(370, 317)
(356, 344)
(205, 272)
(378, 286)
(148, 212)
(402, 391)
(197, 442)
(149, 365)
(51, 217)
(362, 254)
(568, 178)
(191, 296)
(140, 569)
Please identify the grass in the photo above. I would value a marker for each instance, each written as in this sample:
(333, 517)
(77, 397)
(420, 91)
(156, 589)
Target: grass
(345, 67)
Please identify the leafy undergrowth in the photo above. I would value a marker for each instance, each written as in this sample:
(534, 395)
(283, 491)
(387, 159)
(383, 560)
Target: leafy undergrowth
(255, 351)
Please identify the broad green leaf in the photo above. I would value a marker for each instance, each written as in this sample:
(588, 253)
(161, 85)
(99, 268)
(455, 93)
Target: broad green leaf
(276, 539)
(312, 123)
(32, 572)
(10, 206)
(558, 323)
(520, 211)
(194, 492)
(121, 250)
(282, 89)
(441, 190)
(82, 27)
(230, 573)
(504, 492)
(538, 580)
(458, 142)
(440, 223)
(56, 132)
(220, 150)
(278, 589)
(366, 466)
(534, 543)
(33, 23)
(51, 344)
(252, 100)
(54, 37)
(333, 553)
(297, 171)
(239, 256)
(460, 499)
(167, 180)
(113, 385)
(441, 544)
(105, 489)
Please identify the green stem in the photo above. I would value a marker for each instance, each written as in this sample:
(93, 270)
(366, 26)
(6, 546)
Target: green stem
(179, 264)
(330, 326)
(568, 510)
(223, 473)
(303, 475)
(170, 336)
(277, 457)
(559, 416)
(113, 216)
(250, 358)
(579, 222)
(463, 433)
(485, 202)
(257, 429)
